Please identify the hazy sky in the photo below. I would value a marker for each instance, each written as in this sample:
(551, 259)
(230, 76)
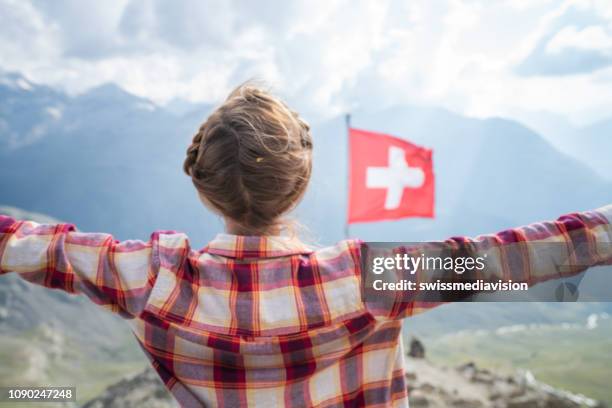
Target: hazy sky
(511, 58)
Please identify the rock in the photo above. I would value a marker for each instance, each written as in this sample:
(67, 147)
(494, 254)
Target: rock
(427, 388)
(417, 349)
(466, 403)
(467, 370)
(483, 376)
(418, 400)
(469, 386)
(142, 390)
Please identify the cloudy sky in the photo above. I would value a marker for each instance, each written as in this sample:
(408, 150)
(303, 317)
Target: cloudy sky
(515, 58)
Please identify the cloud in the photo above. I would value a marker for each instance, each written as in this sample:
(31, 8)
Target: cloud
(577, 40)
(324, 56)
(593, 38)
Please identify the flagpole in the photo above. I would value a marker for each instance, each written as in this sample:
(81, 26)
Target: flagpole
(347, 119)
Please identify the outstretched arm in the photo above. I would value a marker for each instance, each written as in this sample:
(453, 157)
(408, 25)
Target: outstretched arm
(530, 254)
(116, 275)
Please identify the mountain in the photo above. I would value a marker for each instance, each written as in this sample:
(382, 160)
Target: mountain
(590, 144)
(593, 143)
(142, 390)
(28, 112)
(109, 161)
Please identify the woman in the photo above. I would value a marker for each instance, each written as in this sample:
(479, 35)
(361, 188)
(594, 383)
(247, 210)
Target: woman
(256, 318)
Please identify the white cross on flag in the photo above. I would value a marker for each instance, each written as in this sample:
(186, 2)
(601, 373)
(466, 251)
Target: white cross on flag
(389, 178)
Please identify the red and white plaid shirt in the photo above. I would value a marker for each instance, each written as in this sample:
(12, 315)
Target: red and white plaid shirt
(262, 321)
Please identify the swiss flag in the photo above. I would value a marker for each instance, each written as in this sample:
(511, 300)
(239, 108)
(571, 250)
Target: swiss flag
(389, 178)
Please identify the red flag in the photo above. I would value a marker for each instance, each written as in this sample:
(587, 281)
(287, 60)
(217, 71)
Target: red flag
(389, 178)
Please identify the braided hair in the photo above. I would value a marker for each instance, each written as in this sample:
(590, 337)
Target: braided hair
(251, 160)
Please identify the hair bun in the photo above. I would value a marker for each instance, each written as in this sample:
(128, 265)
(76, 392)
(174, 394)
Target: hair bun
(225, 159)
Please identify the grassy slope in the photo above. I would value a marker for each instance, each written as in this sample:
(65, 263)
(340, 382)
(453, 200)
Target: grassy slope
(31, 359)
(570, 358)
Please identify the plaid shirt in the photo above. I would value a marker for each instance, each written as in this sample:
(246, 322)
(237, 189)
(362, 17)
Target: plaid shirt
(260, 321)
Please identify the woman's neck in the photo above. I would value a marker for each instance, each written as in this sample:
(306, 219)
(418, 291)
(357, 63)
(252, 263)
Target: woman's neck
(234, 228)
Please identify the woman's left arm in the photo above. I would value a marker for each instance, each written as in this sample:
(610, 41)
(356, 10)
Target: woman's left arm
(546, 250)
(530, 254)
(116, 275)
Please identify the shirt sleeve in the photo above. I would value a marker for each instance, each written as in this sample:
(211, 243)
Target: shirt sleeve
(116, 275)
(529, 254)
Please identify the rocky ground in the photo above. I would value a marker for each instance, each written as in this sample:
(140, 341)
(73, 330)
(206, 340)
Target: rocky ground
(142, 390)
(468, 386)
(430, 385)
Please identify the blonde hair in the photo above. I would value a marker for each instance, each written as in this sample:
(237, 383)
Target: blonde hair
(251, 160)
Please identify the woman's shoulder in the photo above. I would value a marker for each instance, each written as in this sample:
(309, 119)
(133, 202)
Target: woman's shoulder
(346, 252)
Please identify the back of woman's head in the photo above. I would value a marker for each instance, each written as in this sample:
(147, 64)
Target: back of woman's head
(251, 159)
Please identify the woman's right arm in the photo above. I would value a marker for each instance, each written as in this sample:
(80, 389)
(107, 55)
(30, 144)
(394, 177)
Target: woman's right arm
(116, 275)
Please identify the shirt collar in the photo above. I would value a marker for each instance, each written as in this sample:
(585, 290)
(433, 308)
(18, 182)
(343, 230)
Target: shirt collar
(240, 246)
